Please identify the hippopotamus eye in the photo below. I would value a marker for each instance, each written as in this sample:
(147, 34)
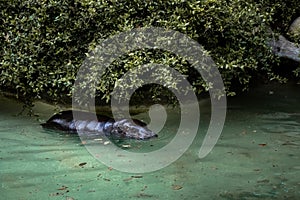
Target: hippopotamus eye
(119, 130)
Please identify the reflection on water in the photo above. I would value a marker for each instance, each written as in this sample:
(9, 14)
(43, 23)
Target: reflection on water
(257, 156)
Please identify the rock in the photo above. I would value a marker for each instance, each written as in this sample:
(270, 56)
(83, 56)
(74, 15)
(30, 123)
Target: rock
(294, 30)
(285, 49)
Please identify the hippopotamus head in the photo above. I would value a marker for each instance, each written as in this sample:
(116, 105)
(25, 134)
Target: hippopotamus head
(131, 129)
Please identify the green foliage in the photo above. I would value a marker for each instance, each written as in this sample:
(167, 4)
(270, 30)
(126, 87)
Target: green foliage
(285, 12)
(45, 42)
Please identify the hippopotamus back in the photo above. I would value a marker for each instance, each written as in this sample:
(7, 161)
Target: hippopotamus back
(86, 122)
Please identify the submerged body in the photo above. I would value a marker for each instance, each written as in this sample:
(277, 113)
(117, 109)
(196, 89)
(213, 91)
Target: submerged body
(85, 122)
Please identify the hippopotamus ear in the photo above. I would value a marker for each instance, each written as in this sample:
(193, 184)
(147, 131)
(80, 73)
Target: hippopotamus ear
(139, 122)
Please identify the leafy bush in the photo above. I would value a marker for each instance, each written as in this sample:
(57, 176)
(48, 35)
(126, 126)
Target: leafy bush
(285, 12)
(45, 42)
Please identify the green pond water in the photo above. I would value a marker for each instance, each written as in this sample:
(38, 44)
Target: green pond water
(256, 157)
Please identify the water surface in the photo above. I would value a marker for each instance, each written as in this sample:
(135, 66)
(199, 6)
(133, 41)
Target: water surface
(257, 156)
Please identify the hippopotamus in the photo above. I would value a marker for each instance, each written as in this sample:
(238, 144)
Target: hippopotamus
(85, 122)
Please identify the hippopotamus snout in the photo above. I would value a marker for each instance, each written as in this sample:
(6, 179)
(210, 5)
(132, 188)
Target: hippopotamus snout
(129, 129)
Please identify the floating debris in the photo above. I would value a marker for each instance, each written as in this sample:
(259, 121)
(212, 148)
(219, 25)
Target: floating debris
(127, 179)
(177, 187)
(143, 195)
(262, 144)
(132, 177)
(63, 188)
(56, 194)
(82, 164)
(263, 181)
(110, 168)
(137, 176)
(271, 92)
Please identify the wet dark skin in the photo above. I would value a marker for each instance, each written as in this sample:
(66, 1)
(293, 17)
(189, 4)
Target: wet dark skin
(86, 122)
